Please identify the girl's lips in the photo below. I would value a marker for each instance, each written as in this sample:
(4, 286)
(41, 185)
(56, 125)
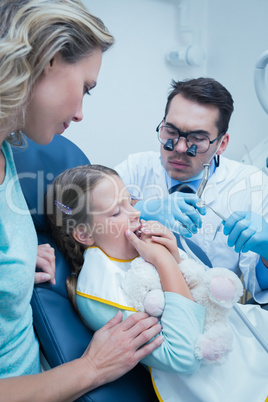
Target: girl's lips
(65, 125)
(137, 231)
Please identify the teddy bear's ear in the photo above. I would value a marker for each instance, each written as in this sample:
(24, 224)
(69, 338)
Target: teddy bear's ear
(83, 235)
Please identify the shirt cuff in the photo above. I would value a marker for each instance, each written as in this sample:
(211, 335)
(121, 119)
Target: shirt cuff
(262, 275)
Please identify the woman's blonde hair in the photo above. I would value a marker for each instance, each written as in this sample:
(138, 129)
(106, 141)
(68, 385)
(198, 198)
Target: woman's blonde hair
(68, 202)
(31, 33)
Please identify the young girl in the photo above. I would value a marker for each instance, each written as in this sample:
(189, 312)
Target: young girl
(95, 224)
(90, 211)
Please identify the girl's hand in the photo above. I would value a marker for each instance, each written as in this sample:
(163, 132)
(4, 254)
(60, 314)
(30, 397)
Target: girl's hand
(46, 262)
(148, 249)
(162, 235)
(158, 255)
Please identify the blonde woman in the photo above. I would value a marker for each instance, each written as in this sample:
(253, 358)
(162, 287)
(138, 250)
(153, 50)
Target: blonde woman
(50, 56)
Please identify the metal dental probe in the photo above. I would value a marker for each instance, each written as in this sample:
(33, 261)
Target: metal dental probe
(203, 204)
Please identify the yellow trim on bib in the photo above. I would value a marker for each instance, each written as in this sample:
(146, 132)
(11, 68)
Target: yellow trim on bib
(155, 388)
(266, 400)
(112, 258)
(99, 299)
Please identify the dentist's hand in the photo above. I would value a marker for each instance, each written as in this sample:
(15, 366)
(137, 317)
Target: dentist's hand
(177, 211)
(247, 231)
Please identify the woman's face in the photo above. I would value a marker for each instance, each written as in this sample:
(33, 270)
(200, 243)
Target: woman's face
(58, 96)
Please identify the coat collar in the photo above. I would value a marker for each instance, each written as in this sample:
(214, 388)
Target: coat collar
(211, 190)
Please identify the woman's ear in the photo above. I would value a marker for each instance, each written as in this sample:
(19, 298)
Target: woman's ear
(53, 63)
(83, 235)
(49, 67)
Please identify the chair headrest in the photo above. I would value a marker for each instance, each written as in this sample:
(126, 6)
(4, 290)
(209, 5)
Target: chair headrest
(38, 165)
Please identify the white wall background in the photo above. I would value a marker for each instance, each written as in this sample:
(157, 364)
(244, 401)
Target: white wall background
(237, 35)
(121, 114)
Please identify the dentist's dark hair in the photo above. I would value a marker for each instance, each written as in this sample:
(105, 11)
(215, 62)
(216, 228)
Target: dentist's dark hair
(205, 91)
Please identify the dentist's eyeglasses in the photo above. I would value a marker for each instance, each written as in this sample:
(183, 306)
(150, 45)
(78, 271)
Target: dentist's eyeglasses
(197, 142)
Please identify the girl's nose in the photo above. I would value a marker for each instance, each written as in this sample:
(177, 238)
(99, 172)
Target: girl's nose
(135, 214)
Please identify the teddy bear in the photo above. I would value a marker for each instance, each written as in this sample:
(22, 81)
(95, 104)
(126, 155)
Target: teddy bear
(217, 289)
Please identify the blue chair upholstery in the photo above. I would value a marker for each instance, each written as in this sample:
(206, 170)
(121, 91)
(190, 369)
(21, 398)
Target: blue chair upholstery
(195, 249)
(62, 335)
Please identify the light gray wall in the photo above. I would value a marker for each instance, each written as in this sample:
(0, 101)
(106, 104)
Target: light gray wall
(121, 115)
(238, 34)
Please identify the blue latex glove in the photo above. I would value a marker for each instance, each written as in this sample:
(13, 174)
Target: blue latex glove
(247, 231)
(177, 211)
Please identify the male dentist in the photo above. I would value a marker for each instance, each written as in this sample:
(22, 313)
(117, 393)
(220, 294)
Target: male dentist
(192, 133)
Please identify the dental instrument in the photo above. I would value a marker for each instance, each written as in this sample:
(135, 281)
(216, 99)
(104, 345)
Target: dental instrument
(204, 181)
(203, 204)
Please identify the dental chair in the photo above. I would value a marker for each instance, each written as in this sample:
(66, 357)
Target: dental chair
(62, 335)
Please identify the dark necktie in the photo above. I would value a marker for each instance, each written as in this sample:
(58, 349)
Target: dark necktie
(183, 188)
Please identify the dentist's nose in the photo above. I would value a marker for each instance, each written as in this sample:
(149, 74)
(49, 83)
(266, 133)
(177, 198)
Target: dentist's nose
(181, 146)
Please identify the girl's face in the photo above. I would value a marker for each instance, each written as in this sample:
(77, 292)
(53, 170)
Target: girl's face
(58, 96)
(112, 214)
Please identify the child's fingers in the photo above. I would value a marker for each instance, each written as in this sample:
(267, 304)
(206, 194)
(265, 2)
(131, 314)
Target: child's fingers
(155, 228)
(170, 245)
(162, 240)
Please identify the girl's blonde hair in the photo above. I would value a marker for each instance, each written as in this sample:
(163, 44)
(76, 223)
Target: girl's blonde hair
(68, 202)
(31, 33)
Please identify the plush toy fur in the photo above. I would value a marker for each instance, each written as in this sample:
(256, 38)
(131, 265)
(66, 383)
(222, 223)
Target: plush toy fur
(217, 289)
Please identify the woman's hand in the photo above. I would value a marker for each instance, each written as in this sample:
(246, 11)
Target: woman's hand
(114, 350)
(46, 262)
(162, 235)
(118, 346)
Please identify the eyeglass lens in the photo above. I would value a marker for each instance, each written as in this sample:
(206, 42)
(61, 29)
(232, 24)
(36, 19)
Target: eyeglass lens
(200, 140)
